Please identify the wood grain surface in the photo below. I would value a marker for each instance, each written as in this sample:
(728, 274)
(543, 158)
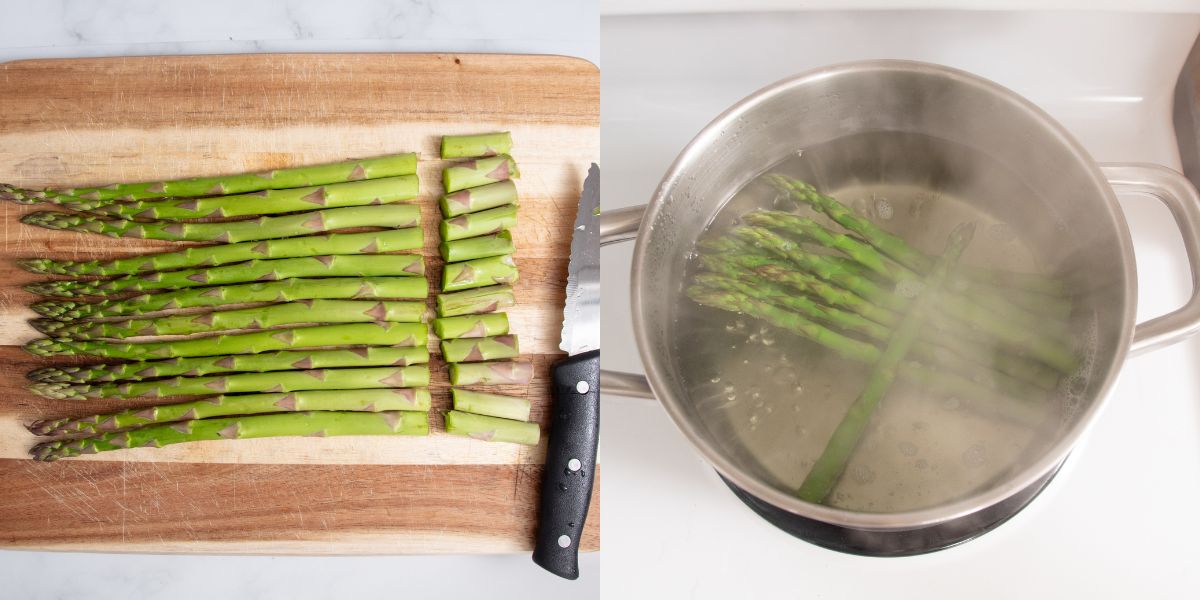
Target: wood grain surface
(95, 121)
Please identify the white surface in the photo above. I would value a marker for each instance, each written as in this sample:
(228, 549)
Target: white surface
(59, 29)
(1120, 519)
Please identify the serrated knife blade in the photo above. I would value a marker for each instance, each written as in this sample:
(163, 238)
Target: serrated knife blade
(581, 313)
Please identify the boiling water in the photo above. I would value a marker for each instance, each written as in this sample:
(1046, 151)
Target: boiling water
(772, 398)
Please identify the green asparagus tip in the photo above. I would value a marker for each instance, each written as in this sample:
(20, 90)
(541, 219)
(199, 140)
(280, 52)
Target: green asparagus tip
(40, 265)
(47, 219)
(46, 347)
(18, 195)
(53, 391)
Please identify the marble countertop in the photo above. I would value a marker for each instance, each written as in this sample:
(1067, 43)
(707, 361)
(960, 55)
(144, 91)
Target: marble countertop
(66, 28)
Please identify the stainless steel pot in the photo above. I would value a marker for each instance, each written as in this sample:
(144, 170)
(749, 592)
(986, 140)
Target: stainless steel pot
(1073, 217)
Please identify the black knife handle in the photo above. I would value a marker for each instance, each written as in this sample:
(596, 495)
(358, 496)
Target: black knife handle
(570, 463)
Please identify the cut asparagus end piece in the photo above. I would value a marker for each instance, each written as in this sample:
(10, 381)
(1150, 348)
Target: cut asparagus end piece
(492, 429)
(501, 372)
(480, 349)
(483, 144)
(477, 301)
(481, 272)
(475, 224)
(478, 172)
(471, 326)
(494, 405)
(484, 246)
(475, 199)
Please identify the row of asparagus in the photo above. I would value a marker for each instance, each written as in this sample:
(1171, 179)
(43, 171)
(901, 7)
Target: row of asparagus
(319, 326)
(479, 211)
(997, 341)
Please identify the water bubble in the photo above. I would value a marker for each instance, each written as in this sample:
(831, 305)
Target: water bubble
(729, 388)
(908, 448)
(768, 340)
(715, 380)
(756, 395)
(883, 208)
(975, 456)
(754, 419)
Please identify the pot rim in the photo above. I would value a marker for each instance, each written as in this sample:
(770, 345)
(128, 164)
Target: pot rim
(925, 517)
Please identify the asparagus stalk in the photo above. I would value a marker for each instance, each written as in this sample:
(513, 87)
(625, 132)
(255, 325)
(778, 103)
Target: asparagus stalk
(478, 172)
(479, 349)
(284, 360)
(894, 246)
(484, 246)
(490, 373)
(479, 223)
(238, 383)
(287, 290)
(368, 334)
(267, 202)
(866, 255)
(353, 170)
(258, 317)
(1038, 346)
(370, 242)
(480, 272)
(969, 392)
(492, 429)
(484, 144)
(477, 301)
(263, 228)
(479, 198)
(378, 400)
(307, 424)
(492, 405)
(728, 258)
(340, 265)
(471, 326)
(829, 466)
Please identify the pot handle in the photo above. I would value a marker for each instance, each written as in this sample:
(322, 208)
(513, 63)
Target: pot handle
(622, 225)
(1177, 192)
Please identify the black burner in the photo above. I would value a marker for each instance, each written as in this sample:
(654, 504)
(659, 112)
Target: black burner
(895, 543)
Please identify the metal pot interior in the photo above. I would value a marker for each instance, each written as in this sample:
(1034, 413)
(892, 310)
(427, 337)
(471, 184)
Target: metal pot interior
(892, 139)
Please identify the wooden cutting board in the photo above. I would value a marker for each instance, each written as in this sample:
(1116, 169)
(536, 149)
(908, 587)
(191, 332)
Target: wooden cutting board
(95, 121)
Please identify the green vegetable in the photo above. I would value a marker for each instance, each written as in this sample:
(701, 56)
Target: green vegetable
(479, 349)
(491, 373)
(470, 302)
(306, 424)
(480, 272)
(277, 381)
(352, 170)
(497, 244)
(492, 429)
(485, 144)
(494, 405)
(471, 326)
(386, 399)
(478, 172)
(479, 198)
(479, 223)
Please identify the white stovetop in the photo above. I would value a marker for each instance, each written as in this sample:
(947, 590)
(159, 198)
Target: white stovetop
(1119, 521)
(137, 27)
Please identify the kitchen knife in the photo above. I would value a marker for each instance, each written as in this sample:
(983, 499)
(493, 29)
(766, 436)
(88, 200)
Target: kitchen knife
(575, 416)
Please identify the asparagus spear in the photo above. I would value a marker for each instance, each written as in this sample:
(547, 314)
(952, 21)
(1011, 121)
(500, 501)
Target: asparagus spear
(208, 365)
(353, 170)
(484, 144)
(829, 466)
(258, 317)
(476, 301)
(479, 198)
(277, 381)
(369, 334)
(471, 326)
(1047, 350)
(969, 392)
(287, 290)
(478, 349)
(492, 429)
(493, 405)
(490, 373)
(479, 171)
(479, 223)
(894, 246)
(484, 246)
(267, 202)
(262, 228)
(728, 258)
(307, 424)
(385, 399)
(480, 272)
(369, 242)
(866, 255)
(339, 265)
